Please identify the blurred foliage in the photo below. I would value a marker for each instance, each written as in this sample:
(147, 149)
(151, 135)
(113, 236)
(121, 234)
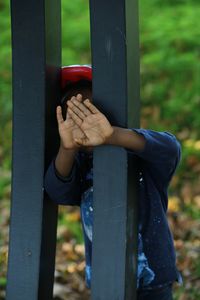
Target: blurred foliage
(170, 69)
(170, 100)
(69, 225)
(75, 33)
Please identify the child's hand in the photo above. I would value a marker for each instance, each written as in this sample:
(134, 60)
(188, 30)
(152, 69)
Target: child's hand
(68, 129)
(91, 121)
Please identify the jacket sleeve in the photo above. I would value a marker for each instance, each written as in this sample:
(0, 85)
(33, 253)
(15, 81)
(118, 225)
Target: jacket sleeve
(63, 190)
(161, 154)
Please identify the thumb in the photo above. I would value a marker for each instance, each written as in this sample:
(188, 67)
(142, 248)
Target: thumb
(78, 141)
(81, 142)
(59, 115)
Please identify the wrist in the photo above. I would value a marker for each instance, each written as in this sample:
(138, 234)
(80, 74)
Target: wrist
(68, 150)
(112, 139)
(64, 161)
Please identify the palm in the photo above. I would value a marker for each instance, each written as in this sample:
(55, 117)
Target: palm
(91, 121)
(96, 128)
(68, 131)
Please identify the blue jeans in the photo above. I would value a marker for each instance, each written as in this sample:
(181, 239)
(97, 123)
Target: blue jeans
(144, 272)
(163, 293)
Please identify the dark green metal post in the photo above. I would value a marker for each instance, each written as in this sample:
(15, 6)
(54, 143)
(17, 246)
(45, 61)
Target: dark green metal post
(36, 58)
(116, 86)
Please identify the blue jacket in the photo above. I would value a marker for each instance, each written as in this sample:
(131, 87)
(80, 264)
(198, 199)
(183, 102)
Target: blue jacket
(158, 162)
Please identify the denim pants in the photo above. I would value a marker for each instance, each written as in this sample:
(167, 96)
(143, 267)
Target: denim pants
(144, 272)
(163, 293)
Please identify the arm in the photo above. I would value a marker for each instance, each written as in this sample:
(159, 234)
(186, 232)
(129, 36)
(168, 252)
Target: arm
(161, 151)
(126, 138)
(64, 161)
(62, 179)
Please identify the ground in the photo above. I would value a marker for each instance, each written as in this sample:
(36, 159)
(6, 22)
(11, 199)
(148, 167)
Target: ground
(69, 275)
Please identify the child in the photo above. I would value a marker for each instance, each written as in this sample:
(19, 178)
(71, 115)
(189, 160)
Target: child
(68, 180)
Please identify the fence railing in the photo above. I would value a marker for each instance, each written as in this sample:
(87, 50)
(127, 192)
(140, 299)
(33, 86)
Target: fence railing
(36, 54)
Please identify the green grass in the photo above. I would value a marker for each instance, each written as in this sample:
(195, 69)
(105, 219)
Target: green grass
(74, 227)
(192, 211)
(3, 282)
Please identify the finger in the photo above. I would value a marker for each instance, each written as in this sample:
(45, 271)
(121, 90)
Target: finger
(81, 106)
(67, 114)
(91, 107)
(76, 118)
(78, 141)
(76, 109)
(82, 142)
(59, 116)
(79, 97)
(74, 97)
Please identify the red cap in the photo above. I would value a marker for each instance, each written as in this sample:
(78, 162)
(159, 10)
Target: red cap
(74, 73)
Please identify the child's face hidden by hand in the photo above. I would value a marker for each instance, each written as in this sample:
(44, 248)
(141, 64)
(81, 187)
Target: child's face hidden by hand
(86, 93)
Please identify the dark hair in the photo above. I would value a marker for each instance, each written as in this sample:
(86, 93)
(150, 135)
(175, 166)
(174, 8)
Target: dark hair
(72, 89)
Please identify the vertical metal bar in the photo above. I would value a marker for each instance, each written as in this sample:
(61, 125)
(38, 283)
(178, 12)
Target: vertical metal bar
(36, 58)
(116, 86)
